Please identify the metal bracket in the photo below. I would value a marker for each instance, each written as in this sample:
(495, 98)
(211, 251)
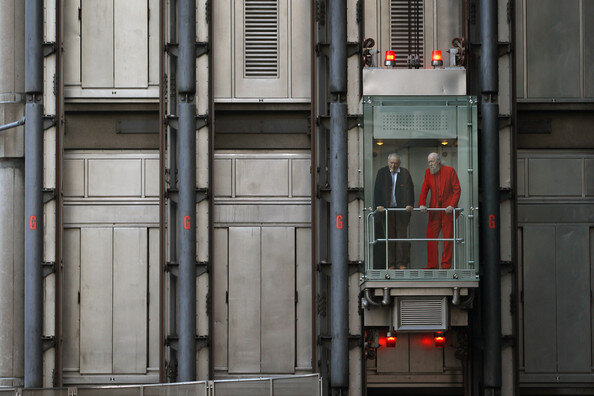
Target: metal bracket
(326, 341)
(201, 194)
(504, 48)
(48, 121)
(508, 340)
(48, 342)
(353, 120)
(505, 194)
(504, 121)
(49, 48)
(202, 48)
(355, 267)
(507, 267)
(202, 267)
(353, 193)
(48, 268)
(172, 341)
(48, 194)
(201, 121)
(321, 305)
(173, 121)
(353, 48)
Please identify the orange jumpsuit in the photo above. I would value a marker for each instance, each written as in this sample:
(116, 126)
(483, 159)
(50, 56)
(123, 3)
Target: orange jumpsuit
(445, 191)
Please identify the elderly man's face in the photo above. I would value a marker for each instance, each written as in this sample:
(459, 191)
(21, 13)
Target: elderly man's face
(393, 163)
(434, 164)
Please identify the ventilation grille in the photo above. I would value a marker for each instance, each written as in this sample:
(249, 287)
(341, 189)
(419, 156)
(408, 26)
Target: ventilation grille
(422, 314)
(415, 122)
(261, 38)
(399, 29)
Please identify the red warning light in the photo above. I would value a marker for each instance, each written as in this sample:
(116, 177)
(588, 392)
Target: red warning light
(436, 58)
(390, 59)
(439, 339)
(391, 341)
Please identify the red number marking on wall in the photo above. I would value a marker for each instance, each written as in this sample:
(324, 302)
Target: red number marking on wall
(339, 221)
(491, 221)
(187, 222)
(33, 222)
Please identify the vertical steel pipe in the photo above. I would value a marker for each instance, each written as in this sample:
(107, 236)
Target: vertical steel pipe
(338, 47)
(186, 209)
(489, 213)
(33, 192)
(339, 352)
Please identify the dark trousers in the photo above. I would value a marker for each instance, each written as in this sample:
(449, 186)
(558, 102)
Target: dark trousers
(398, 252)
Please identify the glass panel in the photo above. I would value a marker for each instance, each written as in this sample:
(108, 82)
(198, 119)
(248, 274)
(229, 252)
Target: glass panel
(175, 389)
(402, 134)
(115, 390)
(243, 387)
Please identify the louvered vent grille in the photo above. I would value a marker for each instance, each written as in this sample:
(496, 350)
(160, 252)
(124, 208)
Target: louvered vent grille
(399, 29)
(422, 314)
(261, 38)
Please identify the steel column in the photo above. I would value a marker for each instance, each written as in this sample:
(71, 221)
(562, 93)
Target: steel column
(339, 353)
(186, 210)
(33, 192)
(489, 212)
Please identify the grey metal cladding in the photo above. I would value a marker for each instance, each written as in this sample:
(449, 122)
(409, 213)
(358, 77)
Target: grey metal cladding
(553, 48)
(572, 261)
(540, 333)
(261, 38)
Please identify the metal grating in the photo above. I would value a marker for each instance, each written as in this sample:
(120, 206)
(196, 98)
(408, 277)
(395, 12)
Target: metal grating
(423, 313)
(260, 38)
(415, 122)
(400, 26)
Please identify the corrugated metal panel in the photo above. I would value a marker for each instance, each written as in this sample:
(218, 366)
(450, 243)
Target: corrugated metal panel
(405, 16)
(422, 314)
(261, 38)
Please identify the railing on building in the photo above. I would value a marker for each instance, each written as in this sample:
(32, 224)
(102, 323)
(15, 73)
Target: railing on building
(297, 385)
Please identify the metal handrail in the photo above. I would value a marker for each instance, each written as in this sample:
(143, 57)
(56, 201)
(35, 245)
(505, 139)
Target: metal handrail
(375, 240)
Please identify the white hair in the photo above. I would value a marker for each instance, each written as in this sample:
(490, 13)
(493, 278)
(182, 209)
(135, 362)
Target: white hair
(394, 155)
(437, 157)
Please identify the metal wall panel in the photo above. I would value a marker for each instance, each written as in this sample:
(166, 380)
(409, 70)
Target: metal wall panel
(554, 177)
(589, 176)
(588, 17)
(250, 180)
(130, 300)
(12, 274)
(268, 213)
(70, 295)
(300, 49)
(71, 42)
(97, 43)
(151, 178)
(573, 299)
(154, 273)
(539, 308)
(300, 178)
(74, 178)
(220, 279)
(223, 49)
(114, 177)
(553, 48)
(244, 299)
(96, 301)
(223, 176)
(278, 300)
(250, 87)
(153, 42)
(395, 360)
(303, 308)
(424, 357)
(131, 43)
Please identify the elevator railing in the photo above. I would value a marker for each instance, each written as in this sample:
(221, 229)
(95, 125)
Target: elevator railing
(371, 239)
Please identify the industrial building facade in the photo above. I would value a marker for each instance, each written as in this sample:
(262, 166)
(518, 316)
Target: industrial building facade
(190, 191)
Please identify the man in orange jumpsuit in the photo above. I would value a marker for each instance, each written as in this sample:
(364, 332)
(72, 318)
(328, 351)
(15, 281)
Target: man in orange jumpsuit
(445, 193)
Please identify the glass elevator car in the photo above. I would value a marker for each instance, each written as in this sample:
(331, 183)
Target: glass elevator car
(420, 260)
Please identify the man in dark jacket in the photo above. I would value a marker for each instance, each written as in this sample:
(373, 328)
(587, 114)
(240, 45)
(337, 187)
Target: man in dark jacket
(393, 189)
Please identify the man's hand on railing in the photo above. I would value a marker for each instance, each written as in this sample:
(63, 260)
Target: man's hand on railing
(409, 208)
(449, 209)
(423, 209)
(380, 208)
